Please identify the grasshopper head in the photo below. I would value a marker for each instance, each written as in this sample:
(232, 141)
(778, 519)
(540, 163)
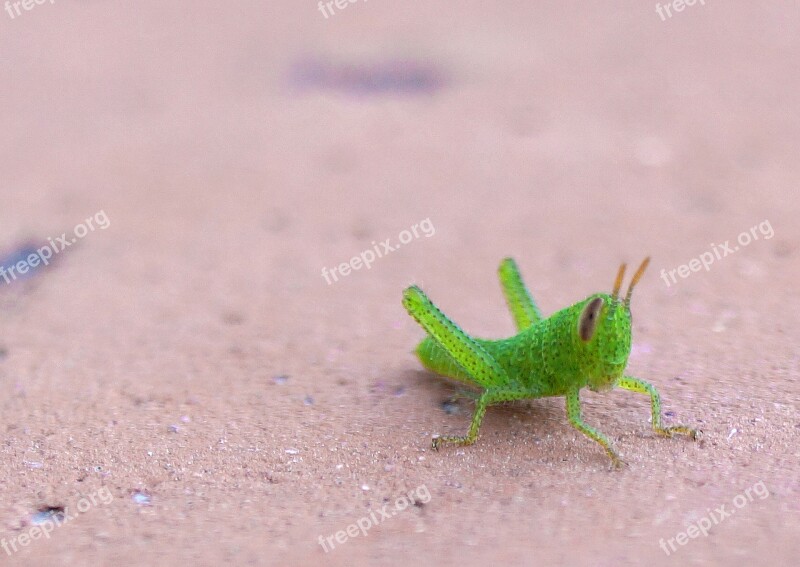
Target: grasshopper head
(604, 333)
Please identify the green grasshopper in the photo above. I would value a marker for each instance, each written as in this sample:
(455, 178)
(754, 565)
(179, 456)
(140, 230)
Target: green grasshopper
(586, 344)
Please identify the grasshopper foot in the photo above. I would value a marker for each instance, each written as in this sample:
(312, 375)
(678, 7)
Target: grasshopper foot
(437, 441)
(616, 462)
(678, 430)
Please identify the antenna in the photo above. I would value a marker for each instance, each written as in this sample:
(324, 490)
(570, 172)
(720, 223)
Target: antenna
(636, 277)
(618, 282)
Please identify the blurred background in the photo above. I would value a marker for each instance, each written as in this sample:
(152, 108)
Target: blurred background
(225, 353)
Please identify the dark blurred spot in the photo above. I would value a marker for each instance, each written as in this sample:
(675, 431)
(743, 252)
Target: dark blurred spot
(451, 407)
(11, 262)
(707, 202)
(233, 318)
(362, 229)
(398, 76)
(783, 249)
(276, 221)
(280, 380)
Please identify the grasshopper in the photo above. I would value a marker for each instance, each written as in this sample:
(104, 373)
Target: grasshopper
(584, 345)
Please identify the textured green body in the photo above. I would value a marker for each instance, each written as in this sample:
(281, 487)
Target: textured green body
(547, 358)
(584, 345)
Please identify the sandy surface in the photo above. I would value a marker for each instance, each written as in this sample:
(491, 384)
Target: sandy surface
(186, 383)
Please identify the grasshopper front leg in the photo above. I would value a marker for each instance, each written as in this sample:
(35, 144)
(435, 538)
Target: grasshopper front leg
(636, 385)
(574, 415)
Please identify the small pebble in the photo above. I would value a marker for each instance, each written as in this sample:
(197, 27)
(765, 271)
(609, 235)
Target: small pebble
(48, 514)
(141, 498)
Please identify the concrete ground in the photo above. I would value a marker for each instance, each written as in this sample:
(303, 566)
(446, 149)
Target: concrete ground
(184, 383)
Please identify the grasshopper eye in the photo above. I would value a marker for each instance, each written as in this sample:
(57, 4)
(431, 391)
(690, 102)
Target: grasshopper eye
(589, 318)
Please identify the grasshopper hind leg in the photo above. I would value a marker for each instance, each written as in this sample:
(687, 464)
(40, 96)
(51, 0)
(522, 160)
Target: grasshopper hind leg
(478, 366)
(522, 306)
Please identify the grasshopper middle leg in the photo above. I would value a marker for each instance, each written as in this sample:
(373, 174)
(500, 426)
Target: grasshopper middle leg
(574, 416)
